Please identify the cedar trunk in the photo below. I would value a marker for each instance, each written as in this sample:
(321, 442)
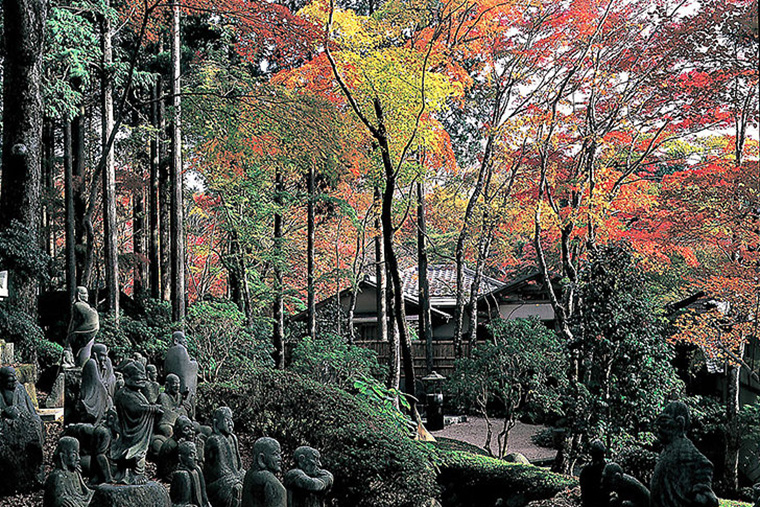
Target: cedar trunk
(278, 309)
(177, 209)
(426, 327)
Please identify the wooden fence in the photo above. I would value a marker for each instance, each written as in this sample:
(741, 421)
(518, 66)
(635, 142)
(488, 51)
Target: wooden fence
(443, 355)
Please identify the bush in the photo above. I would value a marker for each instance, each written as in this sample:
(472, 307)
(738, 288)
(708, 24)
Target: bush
(149, 334)
(218, 338)
(471, 480)
(374, 462)
(329, 359)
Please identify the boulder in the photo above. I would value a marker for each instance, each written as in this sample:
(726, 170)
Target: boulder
(150, 494)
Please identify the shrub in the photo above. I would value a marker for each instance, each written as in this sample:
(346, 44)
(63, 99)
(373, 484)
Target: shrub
(374, 462)
(471, 480)
(149, 333)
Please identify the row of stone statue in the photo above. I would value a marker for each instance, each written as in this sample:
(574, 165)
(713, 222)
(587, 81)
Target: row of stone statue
(682, 476)
(304, 486)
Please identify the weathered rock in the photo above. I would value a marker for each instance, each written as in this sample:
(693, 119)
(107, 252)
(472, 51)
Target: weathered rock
(516, 457)
(151, 494)
(57, 393)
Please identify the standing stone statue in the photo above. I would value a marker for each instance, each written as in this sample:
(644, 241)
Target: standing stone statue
(98, 385)
(188, 487)
(83, 327)
(592, 492)
(626, 490)
(168, 456)
(307, 484)
(64, 486)
(682, 476)
(179, 362)
(21, 437)
(152, 388)
(223, 468)
(136, 419)
(261, 487)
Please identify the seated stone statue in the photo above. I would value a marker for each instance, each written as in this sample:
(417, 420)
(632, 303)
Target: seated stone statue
(171, 401)
(179, 362)
(152, 388)
(682, 476)
(64, 486)
(592, 493)
(95, 443)
(223, 468)
(21, 437)
(188, 486)
(136, 419)
(98, 385)
(625, 490)
(83, 327)
(261, 487)
(307, 484)
(168, 456)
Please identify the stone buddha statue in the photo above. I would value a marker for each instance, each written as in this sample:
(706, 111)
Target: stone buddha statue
(223, 468)
(98, 385)
(83, 327)
(64, 486)
(262, 488)
(309, 482)
(624, 490)
(188, 486)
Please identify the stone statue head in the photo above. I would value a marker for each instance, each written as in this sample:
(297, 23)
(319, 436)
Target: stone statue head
(100, 352)
(8, 378)
(183, 428)
(673, 422)
(307, 459)
(223, 421)
(81, 294)
(267, 455)
(134, 375)
(188, 454)
(67, 454)
(172, 383)
(152, 372)
(611, 476)
(112, 419)
(178, 338)
(119, 380)
(597, 449)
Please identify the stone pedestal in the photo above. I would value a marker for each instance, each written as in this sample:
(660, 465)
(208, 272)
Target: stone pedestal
(73, 384)
(151, 494)
(56, 398)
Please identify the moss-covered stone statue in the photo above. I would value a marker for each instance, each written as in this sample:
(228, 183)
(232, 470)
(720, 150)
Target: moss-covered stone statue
(625, 490)
(682, 476)
(64, 486)
(261, 487)
(188, 486)
(223, 468)
(21, 437)
(308, 484)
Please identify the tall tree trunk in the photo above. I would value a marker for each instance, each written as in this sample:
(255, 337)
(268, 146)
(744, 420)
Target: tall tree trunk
(177, 206)
(48, 188)
(24, 22)
(138, 236)
(110, 241)
(278, 310)
(382, 305)
(426, 326)
(733, 429)
(154, 265)
(394, 344)
(484, 246)
(68, 195)
(82, 237)
(310, 226)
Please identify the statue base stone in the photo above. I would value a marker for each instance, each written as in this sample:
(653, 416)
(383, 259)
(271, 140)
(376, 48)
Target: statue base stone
(72, 386)
(150, 494)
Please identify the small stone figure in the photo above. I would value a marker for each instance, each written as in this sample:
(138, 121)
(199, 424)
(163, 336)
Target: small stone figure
(152, 388)
(64, 486)
(682, 476)
(95, 442)
(626, 491)
(308, 484)
(223, 468)
(83, 327)
(136, 419)
(168, 456)
(21, 437)
(172, 403)
(188, 487)
(98, 385)
(261, 487)
(179, 362)
(592, 493)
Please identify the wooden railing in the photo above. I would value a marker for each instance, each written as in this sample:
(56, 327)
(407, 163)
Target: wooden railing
(443, 355)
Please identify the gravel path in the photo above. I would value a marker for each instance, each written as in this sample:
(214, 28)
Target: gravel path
(474, 432)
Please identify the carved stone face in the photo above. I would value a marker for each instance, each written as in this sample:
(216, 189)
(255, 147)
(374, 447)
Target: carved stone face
(69, 456)
(8, 380)
(152, 372)
(102, 358)
(224, 424)
(668, 427)
(309, 462)
(188, 457)
(172, 385)
(272, 458)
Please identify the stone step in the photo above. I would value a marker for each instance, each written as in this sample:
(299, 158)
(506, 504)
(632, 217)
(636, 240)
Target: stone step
(51, 414)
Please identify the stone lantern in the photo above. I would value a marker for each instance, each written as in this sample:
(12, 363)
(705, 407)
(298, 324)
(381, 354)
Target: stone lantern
(433, 383)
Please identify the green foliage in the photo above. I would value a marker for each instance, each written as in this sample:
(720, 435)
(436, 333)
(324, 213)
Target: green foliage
(224, 346)
(149, 334)
(625, 362)
(471, 480)
(522, 368)
(331, 360)
(375, 464)
(388, 401)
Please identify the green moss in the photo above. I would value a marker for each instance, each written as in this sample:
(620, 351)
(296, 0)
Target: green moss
(734, 503)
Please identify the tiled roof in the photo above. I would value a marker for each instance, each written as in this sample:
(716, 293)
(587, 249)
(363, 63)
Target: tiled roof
(443, 281)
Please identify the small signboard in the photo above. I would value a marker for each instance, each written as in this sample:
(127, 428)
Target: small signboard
(3, 284)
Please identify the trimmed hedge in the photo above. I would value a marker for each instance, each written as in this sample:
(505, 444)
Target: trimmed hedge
(471, 480)
(374, 463)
